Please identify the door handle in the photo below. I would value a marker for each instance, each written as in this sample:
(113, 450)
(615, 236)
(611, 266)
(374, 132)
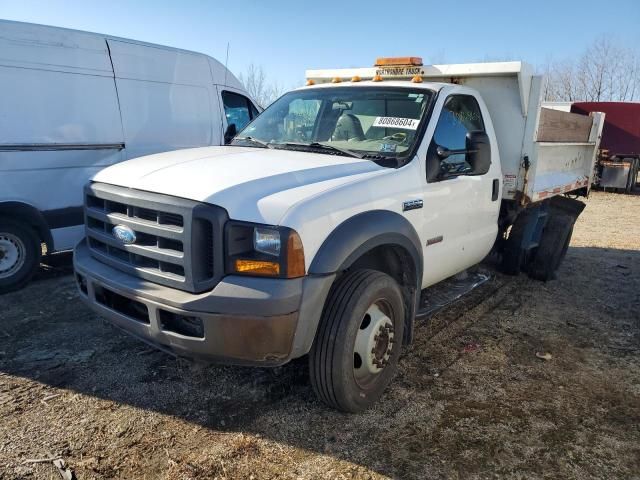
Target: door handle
(496, 189)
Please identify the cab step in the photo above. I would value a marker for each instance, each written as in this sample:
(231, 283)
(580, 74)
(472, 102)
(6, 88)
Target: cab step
(440, 295)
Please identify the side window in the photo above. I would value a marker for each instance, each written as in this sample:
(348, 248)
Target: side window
(460, 115)
(238, 109)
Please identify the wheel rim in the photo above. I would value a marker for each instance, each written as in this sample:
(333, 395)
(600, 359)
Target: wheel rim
(374, 344)
(12, 254)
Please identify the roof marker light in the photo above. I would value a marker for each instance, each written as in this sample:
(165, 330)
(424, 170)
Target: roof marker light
(417, 79)
(377, 78)
(355, 78)
(310, 82)
(389, 61)
(336, 80)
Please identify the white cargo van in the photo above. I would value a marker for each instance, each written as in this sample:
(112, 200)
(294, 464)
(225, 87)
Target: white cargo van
(320, 229)
(72, 103)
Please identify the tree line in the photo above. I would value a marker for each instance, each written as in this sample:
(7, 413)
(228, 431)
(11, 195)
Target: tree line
(605, 71)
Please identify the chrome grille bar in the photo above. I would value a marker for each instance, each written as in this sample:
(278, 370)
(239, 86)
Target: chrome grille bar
(176, 240)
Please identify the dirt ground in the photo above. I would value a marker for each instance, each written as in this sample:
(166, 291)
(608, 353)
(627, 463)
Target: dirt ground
(471, 400)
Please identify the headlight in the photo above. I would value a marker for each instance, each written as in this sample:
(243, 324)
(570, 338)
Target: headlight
(263, 251)
(266, 240)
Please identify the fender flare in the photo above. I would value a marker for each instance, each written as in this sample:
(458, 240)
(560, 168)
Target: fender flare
(30, 215)
(358, 234)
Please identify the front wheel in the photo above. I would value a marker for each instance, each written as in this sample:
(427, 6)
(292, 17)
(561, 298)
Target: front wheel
(358, 343)
(20, 253)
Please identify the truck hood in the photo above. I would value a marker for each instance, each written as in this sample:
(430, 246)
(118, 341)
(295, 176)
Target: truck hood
(252, 184)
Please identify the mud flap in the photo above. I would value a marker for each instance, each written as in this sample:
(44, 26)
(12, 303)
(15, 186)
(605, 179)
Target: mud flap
(556, 236)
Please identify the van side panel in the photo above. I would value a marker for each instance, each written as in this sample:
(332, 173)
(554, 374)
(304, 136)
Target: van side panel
(59, 119)
(55, 107)
(165, 98)
(55, 49)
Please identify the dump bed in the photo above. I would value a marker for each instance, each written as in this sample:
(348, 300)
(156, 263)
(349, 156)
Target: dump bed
(543, 152)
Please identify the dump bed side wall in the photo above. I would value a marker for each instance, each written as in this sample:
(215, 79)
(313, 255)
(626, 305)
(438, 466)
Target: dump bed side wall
(558, 147)
(564, 153)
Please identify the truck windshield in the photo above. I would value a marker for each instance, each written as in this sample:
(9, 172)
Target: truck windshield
(353, 121)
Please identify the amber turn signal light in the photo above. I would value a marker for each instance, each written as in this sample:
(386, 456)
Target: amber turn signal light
(258, 267)
(295, 256)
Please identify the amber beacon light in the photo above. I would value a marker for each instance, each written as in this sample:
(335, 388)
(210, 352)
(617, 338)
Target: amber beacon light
(394, 61)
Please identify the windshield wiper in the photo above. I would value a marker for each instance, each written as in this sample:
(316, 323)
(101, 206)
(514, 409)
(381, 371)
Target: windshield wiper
(324, 146)
(255, 141)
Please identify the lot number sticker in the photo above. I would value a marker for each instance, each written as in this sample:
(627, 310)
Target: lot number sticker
(396, 122)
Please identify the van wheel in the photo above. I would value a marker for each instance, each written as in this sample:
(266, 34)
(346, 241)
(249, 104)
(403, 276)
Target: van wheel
(553, 248)
(358, 343)
(20, 253)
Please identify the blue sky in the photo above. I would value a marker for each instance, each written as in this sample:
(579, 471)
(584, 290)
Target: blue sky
(287, 37)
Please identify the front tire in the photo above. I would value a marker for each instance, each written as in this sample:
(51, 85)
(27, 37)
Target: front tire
(20, 253)
(357, 346)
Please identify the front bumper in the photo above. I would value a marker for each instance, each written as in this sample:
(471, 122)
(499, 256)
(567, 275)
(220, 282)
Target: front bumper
(243, 320)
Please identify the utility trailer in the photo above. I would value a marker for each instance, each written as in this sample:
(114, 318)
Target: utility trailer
(618, 161)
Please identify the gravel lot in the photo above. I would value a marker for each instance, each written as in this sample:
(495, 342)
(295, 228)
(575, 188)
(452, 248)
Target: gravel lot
(471, 400)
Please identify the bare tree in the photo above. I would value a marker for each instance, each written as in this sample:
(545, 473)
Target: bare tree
(256, 83)
(604, 72)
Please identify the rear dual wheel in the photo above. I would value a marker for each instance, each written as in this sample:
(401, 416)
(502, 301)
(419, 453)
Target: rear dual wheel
(358, 343)
(542, 262)
(552, 249)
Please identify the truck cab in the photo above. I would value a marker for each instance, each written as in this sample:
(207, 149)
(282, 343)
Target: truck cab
(316, 231)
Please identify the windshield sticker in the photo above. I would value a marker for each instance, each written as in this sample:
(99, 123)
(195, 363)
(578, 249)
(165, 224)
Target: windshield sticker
(396, 122)
(388, 148)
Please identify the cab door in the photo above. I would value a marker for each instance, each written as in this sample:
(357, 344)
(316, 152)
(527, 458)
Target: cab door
(460, 202)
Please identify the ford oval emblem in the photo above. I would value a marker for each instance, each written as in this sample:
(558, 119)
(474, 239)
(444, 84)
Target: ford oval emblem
(124, 234)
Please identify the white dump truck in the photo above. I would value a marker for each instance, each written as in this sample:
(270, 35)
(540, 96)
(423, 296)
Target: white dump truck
(316, 231)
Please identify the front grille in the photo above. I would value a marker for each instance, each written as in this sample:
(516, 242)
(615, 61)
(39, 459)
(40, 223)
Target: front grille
(177, 240)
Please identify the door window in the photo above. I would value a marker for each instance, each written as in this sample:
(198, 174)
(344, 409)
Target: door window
(460, 115)
(238, 109)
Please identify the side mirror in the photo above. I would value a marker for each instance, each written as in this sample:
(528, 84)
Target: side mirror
(230, 133)
(478, 154)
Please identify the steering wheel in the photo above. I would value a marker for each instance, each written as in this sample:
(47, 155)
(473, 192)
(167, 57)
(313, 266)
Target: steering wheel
(396, 137)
